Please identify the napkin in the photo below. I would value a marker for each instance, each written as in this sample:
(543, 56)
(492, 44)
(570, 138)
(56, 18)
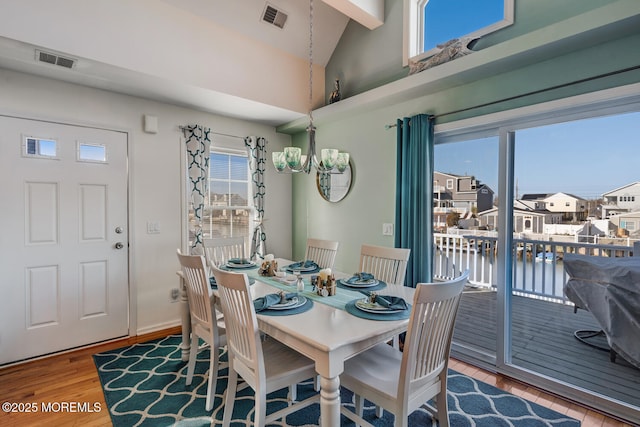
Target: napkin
(239, 261)
(389, 301)
(268, 300)
(303, 264)
(360, 277)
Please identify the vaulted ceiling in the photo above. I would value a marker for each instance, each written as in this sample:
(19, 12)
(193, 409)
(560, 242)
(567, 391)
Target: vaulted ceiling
(218, 56)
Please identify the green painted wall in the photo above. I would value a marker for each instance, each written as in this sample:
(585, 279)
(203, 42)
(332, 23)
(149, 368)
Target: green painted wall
(359, 217)
(379, 52)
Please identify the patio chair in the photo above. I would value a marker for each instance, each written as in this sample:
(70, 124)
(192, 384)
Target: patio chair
(204, 322)
(402, 382)
(265, 366)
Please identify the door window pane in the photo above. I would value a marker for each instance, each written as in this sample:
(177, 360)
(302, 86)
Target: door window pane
(465, 184)
(589, 169)
(92, 153)
(39, 147)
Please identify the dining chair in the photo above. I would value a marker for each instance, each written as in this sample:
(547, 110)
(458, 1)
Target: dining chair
(402, 382)
(322, 252)
(265, 365)
(205, 323)
(219, 250)
(386, 264)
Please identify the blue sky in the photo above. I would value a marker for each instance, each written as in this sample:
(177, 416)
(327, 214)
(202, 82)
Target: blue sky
(585, 158)
(444, 20)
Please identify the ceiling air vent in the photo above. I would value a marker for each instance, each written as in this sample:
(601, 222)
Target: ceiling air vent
(273, 16)
(54, 59)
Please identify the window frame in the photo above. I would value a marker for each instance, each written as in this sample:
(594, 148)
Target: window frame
(37, 142)
(219, 143)
(413, 29)
(250, 205)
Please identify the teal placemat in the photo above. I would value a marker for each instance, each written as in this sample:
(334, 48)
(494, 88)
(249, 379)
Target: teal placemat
(352, 309)
(340, 300)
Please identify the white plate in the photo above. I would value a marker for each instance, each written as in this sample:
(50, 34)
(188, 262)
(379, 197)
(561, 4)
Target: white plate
(294, 302)
(300, 268)
(364, 284)
(365, 305)
(288, 279)
(232, 265)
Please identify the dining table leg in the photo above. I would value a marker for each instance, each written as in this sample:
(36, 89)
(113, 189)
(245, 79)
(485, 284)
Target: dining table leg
(329, 401)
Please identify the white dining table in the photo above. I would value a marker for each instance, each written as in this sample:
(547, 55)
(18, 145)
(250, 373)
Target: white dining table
(325, 334)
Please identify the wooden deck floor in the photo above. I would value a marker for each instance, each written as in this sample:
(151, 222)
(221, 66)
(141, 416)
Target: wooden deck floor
(543, 341)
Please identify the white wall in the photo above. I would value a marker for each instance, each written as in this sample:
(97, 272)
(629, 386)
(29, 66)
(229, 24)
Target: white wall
(154, 176)
(154, 38)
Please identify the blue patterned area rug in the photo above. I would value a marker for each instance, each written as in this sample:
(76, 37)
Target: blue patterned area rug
(144, 385)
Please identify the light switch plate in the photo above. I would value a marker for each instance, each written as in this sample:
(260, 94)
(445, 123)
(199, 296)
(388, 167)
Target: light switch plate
(153, 227)
(387, 229)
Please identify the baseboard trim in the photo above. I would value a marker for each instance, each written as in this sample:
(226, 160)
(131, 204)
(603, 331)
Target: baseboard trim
(158, 327)
(101, 346)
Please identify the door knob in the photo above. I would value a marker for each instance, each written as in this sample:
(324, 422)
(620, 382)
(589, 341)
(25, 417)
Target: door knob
(119, 230)
(119, 245)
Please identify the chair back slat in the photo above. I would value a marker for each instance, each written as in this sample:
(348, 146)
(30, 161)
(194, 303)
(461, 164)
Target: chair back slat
(386, 264)
(428, 342)
(196, 277)
(243, 335)
(219, 250)
(322, 252)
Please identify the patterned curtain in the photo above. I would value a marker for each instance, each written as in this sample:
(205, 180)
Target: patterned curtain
(256, 147)
(324, 180)
(198, 153)
(414, 196)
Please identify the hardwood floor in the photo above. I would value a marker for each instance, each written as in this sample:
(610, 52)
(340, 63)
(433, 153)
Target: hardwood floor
(38, 390)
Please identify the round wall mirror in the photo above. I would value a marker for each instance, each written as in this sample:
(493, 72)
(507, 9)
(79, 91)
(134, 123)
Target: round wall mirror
(334, 186)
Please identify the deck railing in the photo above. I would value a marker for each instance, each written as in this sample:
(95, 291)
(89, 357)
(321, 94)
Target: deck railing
(537, 264)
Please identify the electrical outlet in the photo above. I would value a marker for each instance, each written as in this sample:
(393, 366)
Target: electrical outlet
(174, 295)
(387, 229)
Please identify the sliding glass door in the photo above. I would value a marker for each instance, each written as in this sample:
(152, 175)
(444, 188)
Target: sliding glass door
(577, 191)
(564, 180)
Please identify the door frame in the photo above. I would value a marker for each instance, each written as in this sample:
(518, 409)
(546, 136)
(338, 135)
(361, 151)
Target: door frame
(133, 294)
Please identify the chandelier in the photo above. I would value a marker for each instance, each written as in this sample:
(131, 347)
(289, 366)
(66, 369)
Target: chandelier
(291, 160)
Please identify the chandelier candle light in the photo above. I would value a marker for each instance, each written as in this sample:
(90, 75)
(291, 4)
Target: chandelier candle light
(291, 159)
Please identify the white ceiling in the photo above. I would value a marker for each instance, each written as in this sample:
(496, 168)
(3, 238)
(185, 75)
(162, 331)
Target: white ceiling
(137, 69)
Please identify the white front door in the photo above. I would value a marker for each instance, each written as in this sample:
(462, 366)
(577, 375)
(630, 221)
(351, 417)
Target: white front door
(64, 239)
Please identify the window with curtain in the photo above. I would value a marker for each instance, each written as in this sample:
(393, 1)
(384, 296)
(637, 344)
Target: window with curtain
(228, 205)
